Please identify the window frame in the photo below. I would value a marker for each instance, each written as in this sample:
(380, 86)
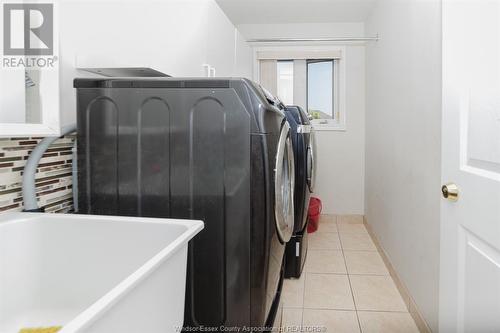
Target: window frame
(335, 111)
(313, 51)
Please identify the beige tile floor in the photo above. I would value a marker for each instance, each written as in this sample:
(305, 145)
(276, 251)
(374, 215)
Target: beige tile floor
(346, 287)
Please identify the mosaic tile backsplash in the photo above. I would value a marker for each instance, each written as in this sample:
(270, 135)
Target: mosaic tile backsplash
(53, 177)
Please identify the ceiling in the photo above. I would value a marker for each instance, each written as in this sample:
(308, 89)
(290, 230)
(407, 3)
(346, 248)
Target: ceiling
(295, 11)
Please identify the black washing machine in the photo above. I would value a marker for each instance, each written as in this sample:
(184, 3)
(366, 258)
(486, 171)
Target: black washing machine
(304, 150)
(217, 150)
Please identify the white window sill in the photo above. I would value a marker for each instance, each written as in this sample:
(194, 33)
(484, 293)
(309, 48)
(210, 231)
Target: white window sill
(328, 127)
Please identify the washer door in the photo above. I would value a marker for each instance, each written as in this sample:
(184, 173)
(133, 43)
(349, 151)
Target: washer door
(311, 162)
(284, 185)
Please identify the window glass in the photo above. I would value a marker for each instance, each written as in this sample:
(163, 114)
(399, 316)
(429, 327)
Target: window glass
(320, 89)
(285, 81)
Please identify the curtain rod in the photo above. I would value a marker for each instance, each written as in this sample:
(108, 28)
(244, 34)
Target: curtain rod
(326, 39)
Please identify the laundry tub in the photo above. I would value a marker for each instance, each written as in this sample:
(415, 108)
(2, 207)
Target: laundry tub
(90, 273)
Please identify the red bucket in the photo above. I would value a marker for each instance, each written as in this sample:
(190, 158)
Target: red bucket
(313, 214)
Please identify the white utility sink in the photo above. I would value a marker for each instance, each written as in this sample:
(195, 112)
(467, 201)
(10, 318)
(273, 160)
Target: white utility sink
(98, 274)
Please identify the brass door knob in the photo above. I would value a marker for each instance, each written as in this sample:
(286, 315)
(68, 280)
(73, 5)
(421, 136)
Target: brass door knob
(450, 191)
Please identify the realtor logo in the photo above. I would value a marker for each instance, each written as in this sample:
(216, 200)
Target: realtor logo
(28, 29)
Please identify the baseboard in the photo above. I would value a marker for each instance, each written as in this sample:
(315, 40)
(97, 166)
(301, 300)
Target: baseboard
(405, 294)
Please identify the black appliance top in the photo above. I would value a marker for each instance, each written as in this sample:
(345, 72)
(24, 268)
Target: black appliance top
(159, 82)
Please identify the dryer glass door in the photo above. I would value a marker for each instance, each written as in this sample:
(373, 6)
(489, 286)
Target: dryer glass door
(284, 185)
(311, 162)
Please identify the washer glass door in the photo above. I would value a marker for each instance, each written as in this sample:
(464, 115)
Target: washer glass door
(284, 185)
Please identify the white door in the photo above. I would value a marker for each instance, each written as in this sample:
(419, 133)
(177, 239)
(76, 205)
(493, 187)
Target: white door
(470, 227)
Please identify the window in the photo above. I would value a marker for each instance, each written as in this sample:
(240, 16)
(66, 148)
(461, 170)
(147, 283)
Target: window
(310, 78)
(320, 93)
(285, 81)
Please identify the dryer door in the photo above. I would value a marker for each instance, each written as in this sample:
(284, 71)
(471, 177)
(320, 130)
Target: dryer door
(284, 185)
(311, 162)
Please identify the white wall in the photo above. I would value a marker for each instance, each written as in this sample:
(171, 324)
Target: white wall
(12, 96)
(403, 124)
(341, 164)
(173, 36)
(243, 57)
(340, 169)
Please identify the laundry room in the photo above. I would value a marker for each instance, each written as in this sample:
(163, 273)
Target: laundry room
(249, 166)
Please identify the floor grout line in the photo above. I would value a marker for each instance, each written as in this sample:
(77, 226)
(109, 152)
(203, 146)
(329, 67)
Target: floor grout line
(337, 223)
(384, 311)
(349, 279)
(343, 232)
(345, 310)
(354, 274)
(303, 298)
(362, 251)
(316, 249)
